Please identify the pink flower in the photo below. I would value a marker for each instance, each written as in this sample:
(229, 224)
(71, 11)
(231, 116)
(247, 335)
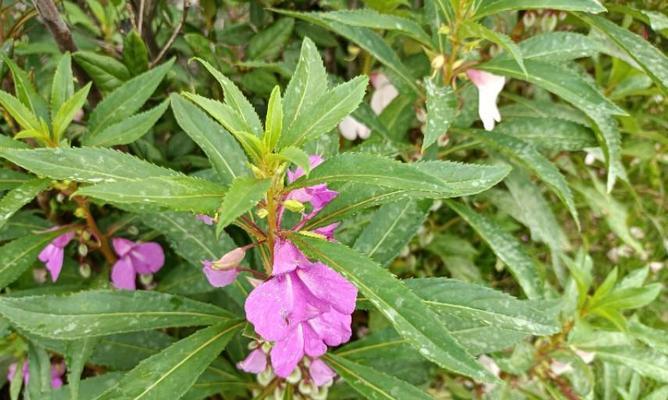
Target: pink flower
(384, 94)
(255, 363)
(327, 231)
(205, 218)
(303, 308)
(224, 271)
(135, 258)
(320, 373)
(489, 86)
(352, 129)
(57, 371)
(52, 255)
(318, 195)
(313, 160)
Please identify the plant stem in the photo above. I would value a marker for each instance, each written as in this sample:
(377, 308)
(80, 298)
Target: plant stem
(106, 250)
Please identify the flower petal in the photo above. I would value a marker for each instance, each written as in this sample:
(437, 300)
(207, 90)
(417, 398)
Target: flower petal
(219, 277)
(287, 257)
(286, 353)
(328, 285)
(122, 246)
(320, 373)
(255, 363)
(147, 258)
(123, 274)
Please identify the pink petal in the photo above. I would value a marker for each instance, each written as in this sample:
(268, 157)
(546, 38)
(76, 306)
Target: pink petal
(55, 263)
(314, 160)
(287, 257)
(489, 86)
(320, 373)
(313, 343)
(286, 353)
(268, 307)
(62, 240)
(205, 218)
(231, 259)
(147, 258)
(332, 327)
(328, 285)
(327, 230)
(219, 277)
(123, 274)
(122, 246)
(255, 363)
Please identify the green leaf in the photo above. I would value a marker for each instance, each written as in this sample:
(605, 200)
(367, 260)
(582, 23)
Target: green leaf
(296, 156)
(307, 86)
(506, 247)
(368, 40)
(476, 30)
(223, 113)
(531, 159)
(170, 373)
(103, 312)
(107, 72)
(19, 112)
(62, 86)
(223, 151)
(373, 384)
(651, 59)
(25, 90)
(241, 197)
(558, 46)
(574, 89)
(645, 362)
(39, 366)
(274, 120)
(459, 179)
(9, 179)
(135, 54)
(125, 350)
(489, 7)
(66, 112)
(6, 141)
(469, 302)
(407, 313)
(178, 193)
(90, 387)
(127, 99)
(391, 228)
(77, 353)
(441, 111)
(20, 196)
(127, 130)
(235, 99)
(268, 42)
(20, 254)
(322, 116)
(369, 18)
(84, 164)
(548, 133)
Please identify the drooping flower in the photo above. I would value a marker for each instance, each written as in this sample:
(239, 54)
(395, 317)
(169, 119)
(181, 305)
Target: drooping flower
(255, 363)
(53, 254)
(352, 129)
(384, 92)
(327, 231)
(317, 195)
(489, 86)
(320, 373)
(225, 270)
(135, 258)
(57, 372)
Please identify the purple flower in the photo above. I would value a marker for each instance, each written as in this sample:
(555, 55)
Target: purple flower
(318, 196)
(57, 371)
(320, 373)
(205, 218)
(135, 258)
(303, 309)
(224, 271)
(327, 231)
(255, 363)
(313, 160)
(52, 255)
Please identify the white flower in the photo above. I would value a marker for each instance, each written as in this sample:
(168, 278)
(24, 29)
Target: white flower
(559, 368)
(656, 266)
(384, 94)
(586, 356)
(351, 129)
(489, 86)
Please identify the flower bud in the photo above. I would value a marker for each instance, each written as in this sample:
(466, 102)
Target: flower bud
(84, 270)
(80, 212)
(294, 205)
(262, 213)
(438, 62)
(82, 249)
(353, 50)
(146, 279)
(60, 197)
(529, 19)
(85, 235)
(305, 388)
(133, 230)
(230, 260)
(295, 376)
(265, 377)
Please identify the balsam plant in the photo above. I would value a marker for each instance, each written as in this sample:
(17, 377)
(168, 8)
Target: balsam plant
(236, 247)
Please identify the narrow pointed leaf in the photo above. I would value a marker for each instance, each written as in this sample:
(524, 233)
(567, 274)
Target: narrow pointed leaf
(19, 112)
(67, 110)
(489, 7)
(62, 86)
(241, 197)
(18, 255)
(441, 111)
(20, 196)
(127, 130)
(78, 352)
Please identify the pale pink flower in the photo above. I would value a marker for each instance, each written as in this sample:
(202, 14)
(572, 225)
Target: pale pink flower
(224, 271)
(384, 92)
(352, 129)
(135, 258)
(205, 218)
(489, 86)
(320, 373)
(53, 254)
(255, 363)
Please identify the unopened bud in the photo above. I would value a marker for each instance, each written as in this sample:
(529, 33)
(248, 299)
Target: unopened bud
(305, 388)
(85, 235)
(80, 212)
(529, 19)
(265, 377)
(279, 392)
(60, 197)
(39, 275)
(294, 205)
(146, 279)
(266, 347)
(295, 376)
(353, 50)
(230, 260)
(84, 270)
(82, 249)
(438, 62)
(262, 213)
(133, 230)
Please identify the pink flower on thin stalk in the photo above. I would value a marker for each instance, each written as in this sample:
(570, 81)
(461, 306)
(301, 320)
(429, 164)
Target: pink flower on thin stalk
(225, 270)
(134, 258)
(53, 254)
(489, 86)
